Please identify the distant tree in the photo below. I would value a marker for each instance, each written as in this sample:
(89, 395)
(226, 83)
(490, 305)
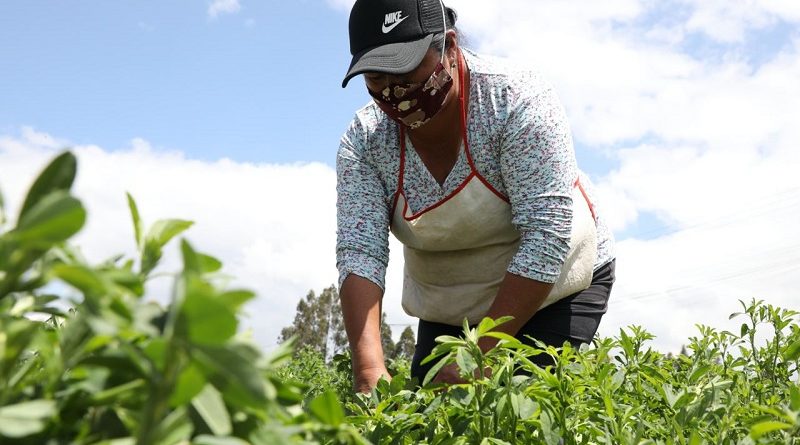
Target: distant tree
(318, 324)
(405, 345)
(386, 338)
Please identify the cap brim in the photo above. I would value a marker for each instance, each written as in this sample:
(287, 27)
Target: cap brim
(392, 58)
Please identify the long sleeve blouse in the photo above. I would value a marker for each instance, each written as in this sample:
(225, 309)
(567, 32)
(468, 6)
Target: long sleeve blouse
(520, 142)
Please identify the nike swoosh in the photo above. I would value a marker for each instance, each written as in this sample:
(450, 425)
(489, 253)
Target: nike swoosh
(386, 29)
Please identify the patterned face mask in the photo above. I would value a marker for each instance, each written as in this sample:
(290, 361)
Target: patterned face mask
(415, 104)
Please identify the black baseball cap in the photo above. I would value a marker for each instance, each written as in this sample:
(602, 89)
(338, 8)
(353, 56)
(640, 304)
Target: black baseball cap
(393, 36)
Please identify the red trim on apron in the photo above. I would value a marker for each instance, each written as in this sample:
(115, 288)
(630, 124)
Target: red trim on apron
(473, 169)
(586, 197)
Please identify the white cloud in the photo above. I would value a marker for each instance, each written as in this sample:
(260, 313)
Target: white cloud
(727, 21)
(341, 5)
(218, 7)
(272, 225)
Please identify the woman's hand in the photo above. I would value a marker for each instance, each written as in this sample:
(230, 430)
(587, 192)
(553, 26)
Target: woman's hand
(361, 310)
(449, 374)
(366, 379)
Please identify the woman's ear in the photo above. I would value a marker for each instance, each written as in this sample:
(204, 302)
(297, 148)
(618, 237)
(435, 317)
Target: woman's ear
(451, 38)
(451, 43)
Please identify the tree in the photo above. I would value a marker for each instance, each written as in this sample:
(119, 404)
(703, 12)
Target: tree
(405, 345)
(318, 324)
(386, 338)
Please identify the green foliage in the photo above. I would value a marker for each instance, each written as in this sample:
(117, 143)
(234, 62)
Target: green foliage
(404, 348)
(309, 370)
(108, 366)
(318, 324)
(728, 390)
(386, 338)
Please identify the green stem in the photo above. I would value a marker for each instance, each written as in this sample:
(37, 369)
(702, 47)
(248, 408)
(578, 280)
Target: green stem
(163, 383)
(775, 358)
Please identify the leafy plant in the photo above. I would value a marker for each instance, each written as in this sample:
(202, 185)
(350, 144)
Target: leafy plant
(112, 367)
(87, 358)
(729, 390)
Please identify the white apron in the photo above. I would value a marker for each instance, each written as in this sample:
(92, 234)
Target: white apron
(457, 250)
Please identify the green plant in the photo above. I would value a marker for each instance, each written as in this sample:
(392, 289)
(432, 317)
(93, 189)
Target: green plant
(112, 367)
(87, 358)
(729, 390)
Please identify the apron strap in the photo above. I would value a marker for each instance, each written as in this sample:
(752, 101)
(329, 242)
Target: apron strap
(586, 197)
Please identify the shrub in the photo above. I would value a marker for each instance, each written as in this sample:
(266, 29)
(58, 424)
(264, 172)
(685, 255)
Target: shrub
(109, 366)
(115, 368)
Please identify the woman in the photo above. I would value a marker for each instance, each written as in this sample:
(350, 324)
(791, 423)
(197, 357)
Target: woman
(469, 162)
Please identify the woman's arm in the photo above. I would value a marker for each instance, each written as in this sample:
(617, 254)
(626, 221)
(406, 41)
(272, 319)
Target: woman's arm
(361, 308)
(362, 253)
(519, 297)
(539, 169)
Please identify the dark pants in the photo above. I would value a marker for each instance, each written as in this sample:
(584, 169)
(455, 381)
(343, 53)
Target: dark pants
(574, 318)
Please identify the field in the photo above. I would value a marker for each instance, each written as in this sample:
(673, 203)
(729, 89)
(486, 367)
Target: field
(115, 368)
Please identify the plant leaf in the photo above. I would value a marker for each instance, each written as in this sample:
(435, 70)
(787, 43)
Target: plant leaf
(82, 278)
(792, 352)
(162, 231)
(190, 382)
(2, 209)
(466, 362)
(502, 336)
(234, 299)
(233, 371)
(211, 407)
(176, 427)
(794, 398)
(26, 418)
(109, 396)
(486, 325)
(205, 439)
(435, 369)
(763, 428)
(191, 262)
(327, 408)
(208, 321)
(208, 263)
(137, 222)
(54, 218)
(157, 237)
(57, 176)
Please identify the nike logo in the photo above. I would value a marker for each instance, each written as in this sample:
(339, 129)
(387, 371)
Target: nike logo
(391, 20)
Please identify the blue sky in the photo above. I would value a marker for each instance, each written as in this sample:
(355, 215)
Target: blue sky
(684, 114)
(261, 85)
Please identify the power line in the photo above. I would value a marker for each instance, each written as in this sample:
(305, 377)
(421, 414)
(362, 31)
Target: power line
(784, 200)
(755, 272)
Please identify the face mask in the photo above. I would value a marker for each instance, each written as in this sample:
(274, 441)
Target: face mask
(415, 104)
